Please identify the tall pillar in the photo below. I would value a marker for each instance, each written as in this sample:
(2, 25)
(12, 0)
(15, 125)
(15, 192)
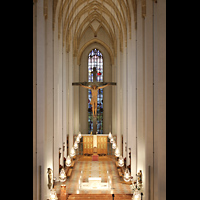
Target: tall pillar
(118, 99)
(148, 170)
(71, 100)
(76, 97)
(34, 102)
(58, 101)
(113, 128)
(160, 100)
(132, 100)
(49, 104)
(40, 102)
(65, 101)
(124, 103)
(140, 88)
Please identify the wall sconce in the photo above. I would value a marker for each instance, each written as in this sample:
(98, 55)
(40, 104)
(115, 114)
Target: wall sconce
(50, 178)
(121, 161)
(72, 153)
(68, 161)
(53, 195)
(111, 140)
(114, 145)
(117, 154)
(110, 135)
(127, 175)
(125, 146)
(77, 139)
(75, 145)
(79, 135)
(62, 176)
(136, 195)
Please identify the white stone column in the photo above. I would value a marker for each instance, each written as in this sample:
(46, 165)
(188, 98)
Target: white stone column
(107, 92)
(76, 97)
(132, 99)
(34, 101)
(160, 100)
(148, 177)
(118, 100)
(65, 101)
(83, 93)
(40, 102)
(124, 104)
(58, 118)
(113, 129)
(71, 100)
(49, 118)
(140, 89)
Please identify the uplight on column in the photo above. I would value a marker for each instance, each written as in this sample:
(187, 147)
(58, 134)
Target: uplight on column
(114, 145)
(121, 161)
(72, 153)
(53, 195)
(117, 154)
(79, 135)
(75, 145)
(110, 135)
(126, 175)
(111, 140)
(77, 139)
(136, 195)
(68, 161)
(62, 176)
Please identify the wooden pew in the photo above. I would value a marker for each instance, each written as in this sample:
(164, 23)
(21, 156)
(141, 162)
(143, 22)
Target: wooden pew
(69, 172)
(72, 165)
(120, 172)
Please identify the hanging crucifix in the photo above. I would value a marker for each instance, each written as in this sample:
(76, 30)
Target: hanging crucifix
(94, 87)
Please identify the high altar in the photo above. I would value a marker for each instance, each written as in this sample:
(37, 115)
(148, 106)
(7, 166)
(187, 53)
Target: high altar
(95, 144)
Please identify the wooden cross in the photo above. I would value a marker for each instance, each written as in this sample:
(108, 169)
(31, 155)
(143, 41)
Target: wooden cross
(94, 87)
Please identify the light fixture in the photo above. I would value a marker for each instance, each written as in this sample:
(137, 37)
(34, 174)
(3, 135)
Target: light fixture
(53, 195)
(114, 145)
(79, 135)
(121, 161)
(77, 139)
(117, 154)
(62, 176)
(72, 153)
(126, 175)
(75, 145)
(110, 135)
(68, 161)
(136, 195)
(111, 140)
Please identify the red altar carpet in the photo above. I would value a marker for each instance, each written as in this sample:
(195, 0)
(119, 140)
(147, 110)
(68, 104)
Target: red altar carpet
(95, 157)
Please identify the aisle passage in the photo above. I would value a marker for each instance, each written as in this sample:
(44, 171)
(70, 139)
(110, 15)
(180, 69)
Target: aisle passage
(95, 169)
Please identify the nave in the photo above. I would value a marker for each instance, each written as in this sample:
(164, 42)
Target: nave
(100, 169)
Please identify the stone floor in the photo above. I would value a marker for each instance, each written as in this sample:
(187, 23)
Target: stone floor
(94, 168)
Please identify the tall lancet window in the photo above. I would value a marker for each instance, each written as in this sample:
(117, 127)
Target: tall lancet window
(95, 59)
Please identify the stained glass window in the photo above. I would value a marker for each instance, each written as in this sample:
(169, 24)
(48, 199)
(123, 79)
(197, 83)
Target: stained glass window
(95, 59)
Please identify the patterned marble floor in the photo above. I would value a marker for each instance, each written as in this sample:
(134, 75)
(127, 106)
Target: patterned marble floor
(98, 169)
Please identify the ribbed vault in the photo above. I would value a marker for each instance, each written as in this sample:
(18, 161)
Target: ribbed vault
(74, 17)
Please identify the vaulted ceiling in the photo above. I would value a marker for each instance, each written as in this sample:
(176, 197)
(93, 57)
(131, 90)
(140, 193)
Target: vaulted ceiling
(74, 17)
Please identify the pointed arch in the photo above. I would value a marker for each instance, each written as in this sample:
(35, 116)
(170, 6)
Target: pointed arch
(93, 41)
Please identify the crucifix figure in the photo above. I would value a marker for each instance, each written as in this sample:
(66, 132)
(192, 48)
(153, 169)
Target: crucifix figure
(94, 87)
